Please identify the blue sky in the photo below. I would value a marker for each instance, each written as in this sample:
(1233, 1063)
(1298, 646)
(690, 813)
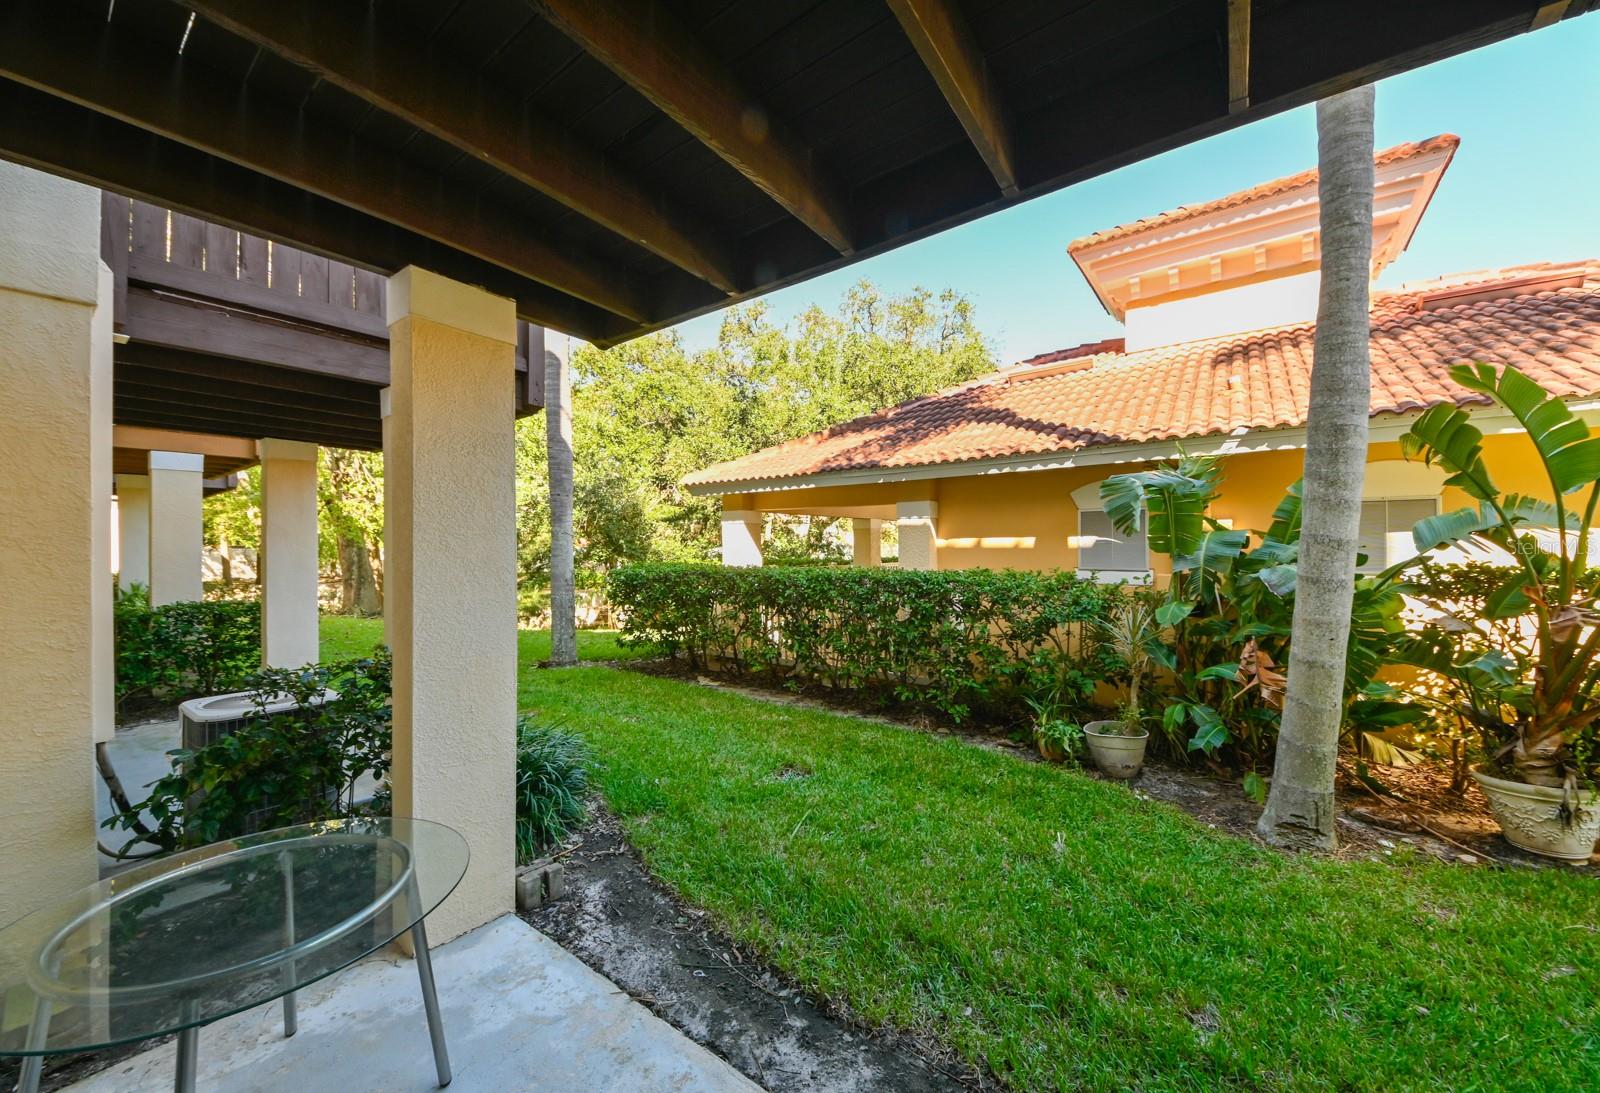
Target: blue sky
(1522, 188)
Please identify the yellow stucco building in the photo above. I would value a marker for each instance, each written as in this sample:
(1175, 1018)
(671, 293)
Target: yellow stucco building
(1219, 304)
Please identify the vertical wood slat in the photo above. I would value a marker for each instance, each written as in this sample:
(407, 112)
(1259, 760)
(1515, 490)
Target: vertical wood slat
(253, 259)
(314, 277)
(340, 288)
(150, 231)
(285, 270)
(188, 241)
(369, 292)
(222, 252)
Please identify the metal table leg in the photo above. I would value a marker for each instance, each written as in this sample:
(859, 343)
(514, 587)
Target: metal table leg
(188, 1051)
(38, 1033)
(430, 1002)
(290, 1023)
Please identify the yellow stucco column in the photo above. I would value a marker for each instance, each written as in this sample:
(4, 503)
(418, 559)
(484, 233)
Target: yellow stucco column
(867, 542)
(176, 536)
(451, 580)
(919, 534)
(288, 564)
(741, 537)
(55, 533)
(133, 530)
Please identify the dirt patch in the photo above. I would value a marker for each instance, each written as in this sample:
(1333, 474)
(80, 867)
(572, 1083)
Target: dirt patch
(667, 955)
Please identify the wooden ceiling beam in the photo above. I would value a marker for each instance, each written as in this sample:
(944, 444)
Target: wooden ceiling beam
(54, 135)
(97, 64)
(1238, 55)
(644, 44)
(1549, 13)
(946, 46)
(351, 47)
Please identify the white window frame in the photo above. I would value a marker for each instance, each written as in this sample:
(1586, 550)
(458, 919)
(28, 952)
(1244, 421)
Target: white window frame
(1390, 554)
(1087, 499)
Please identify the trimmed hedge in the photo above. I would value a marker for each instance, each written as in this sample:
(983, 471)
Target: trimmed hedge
(180, 650)
(961, 643)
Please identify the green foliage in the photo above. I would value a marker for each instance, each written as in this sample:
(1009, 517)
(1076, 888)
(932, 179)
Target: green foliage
(1530, 687)
(1230, 607)
(179, 650)
(960, 643)
(552, 780)
(277, 769)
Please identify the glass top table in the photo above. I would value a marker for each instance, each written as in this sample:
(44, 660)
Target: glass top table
(205, 933)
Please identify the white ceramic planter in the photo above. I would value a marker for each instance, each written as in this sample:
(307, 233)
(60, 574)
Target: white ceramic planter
(1116, 755)
(1530, 818)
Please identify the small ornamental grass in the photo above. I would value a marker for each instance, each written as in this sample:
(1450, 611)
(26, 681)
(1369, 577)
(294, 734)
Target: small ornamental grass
(552, 779)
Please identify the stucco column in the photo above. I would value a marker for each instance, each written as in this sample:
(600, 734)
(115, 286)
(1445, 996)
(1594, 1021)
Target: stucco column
(133, 530)
(867, 541)
(55, 533)
(176, 534)
(741, 537)
(288, 561)
(385, 412)
(919, 534)
(451, 584)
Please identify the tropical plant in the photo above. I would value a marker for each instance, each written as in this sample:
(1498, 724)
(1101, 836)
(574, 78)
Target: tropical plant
(1533, 697)
(1131, 632)
(552, 781)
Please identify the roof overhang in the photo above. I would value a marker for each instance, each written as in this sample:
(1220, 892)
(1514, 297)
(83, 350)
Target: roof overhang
(1383, 427)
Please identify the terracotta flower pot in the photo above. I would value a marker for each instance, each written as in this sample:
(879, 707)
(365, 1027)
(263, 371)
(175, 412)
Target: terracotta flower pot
(1530, 817)
(1117, 754)
(1050, 750)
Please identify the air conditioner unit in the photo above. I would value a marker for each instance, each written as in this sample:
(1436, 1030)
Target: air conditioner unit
(207, 720)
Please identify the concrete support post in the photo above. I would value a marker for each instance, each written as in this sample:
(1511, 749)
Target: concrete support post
(288, 562)
(133, 530)
(451, 580)
(385, 411)
(176, 536)
(918, 522)
(55, 533)
(741, 537)
(867, 541)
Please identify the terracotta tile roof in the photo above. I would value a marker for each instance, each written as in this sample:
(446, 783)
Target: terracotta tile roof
(1544, 318)
(1287, 184)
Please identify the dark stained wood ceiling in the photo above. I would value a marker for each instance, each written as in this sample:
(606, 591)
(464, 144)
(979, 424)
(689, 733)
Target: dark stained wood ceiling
(618, 165)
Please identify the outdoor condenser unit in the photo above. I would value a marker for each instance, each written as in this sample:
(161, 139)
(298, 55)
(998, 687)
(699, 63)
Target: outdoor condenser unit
(207, 720)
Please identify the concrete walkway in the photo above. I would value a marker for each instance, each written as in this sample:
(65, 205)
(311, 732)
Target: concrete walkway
(139, 755)
(520, 1013)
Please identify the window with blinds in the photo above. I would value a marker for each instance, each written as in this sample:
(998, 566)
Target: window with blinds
(1385, 536)
(1105, 550)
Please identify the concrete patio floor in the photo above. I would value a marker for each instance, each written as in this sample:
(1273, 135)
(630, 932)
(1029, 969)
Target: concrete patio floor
(520, 1013)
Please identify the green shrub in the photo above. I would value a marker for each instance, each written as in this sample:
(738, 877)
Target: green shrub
(552, 779)
(180, 650)
(960, 643)
(276, 770)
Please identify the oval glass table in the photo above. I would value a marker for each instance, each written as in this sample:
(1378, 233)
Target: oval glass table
(178, 943)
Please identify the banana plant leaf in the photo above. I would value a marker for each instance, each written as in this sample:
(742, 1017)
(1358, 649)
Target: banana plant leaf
(1570, 455)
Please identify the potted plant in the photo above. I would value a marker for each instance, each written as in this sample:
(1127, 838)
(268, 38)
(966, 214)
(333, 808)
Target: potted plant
(1117, 746)
(1523, 670)
(1058, 740)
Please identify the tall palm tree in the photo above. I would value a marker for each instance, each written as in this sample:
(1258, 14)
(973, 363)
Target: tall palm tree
(1300, 808)
(558, 433)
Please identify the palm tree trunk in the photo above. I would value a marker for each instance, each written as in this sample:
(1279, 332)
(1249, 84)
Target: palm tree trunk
(558, 432)
(1300, 809)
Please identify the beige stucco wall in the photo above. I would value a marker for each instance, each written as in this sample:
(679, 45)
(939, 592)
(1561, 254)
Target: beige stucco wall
(1026, 520)
(55, 535)
(450, 581)
(176, 526)
(288, 557)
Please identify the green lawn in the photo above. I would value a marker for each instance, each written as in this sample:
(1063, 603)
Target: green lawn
(344, 636)
(1072, 935)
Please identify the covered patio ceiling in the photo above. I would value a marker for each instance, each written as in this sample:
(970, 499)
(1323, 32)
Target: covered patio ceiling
(616, 166)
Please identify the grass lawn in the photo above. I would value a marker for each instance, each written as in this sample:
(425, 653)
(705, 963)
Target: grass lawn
(346, 636)
(1072, 935)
